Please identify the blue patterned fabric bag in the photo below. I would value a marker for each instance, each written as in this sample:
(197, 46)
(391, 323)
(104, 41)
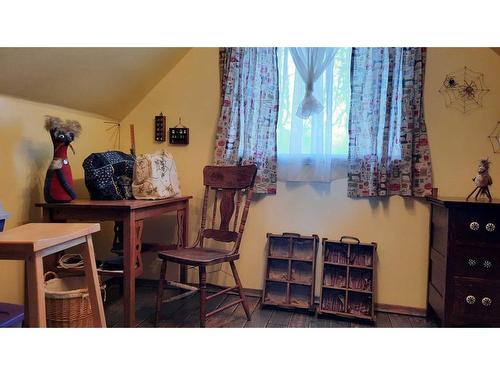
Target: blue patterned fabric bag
(108, 175)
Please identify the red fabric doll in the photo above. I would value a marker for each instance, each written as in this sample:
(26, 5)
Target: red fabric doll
(59, 181)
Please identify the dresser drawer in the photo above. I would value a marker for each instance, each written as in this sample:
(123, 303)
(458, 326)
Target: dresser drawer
(469, 261)
(475, 301)
(478, 225)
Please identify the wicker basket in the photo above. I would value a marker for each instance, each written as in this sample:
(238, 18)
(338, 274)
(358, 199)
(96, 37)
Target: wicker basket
(67, 301)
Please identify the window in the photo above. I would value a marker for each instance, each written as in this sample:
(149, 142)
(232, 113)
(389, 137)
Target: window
(316, 148)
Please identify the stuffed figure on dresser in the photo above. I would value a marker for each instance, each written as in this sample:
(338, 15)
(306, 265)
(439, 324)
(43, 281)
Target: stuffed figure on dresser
(59, 180)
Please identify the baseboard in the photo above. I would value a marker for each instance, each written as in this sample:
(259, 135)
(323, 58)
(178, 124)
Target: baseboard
(397, 309)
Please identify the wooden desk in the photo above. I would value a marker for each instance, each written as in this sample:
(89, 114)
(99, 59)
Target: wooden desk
(132, 214)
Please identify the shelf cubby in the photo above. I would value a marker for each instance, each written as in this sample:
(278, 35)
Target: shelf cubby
(360, 305)
(333, 300)
(360, 279)
(303, 248)
(335, 276)
(348, 278)
(336, 252)
(277, 270)
(300, 296)
(301, 272)
(275, 293)
(290, 271)
(279, 247)
(361, 255)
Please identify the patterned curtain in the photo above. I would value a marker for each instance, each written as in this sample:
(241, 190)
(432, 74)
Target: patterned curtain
(246, 132)
(388, 148)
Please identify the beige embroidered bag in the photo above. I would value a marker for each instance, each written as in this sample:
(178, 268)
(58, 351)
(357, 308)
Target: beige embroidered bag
(155, 176)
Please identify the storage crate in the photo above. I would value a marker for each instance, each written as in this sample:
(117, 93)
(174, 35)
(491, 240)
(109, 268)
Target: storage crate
(348, 278)
(290, 271)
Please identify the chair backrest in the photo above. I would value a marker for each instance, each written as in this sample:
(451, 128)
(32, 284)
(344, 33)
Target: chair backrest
(227, 185)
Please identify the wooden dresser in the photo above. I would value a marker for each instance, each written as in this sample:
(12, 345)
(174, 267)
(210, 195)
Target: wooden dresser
(464, 265)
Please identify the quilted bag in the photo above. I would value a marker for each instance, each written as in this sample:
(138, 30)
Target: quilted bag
(155, 176)
(108, 175)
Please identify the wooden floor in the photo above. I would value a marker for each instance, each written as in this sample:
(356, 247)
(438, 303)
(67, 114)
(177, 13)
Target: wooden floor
(184, 313)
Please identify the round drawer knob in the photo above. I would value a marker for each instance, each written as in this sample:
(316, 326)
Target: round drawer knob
(474, 225)
(486, 301)
(487, 264)
(472, 262)
(470, 300)
(490, 227)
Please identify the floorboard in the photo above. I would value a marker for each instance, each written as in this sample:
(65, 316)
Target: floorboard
(400, 321)
(260, 317)
(328, 321)
(279, 319)
(166, 312)
(383, 320)
(421, 322)
(238, 318)
(193, 318)
(185, 313)
(361, 324)
(300, 320)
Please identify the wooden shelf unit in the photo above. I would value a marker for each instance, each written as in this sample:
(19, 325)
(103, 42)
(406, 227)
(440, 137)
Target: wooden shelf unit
(348, 278)
(290, 271)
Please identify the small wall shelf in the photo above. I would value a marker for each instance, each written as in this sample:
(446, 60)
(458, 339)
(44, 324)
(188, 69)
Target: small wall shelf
(290, 271)
(348, 278)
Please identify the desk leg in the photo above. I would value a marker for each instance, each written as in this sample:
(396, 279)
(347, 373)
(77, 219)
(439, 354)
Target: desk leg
(182, 230)
(93, 284)
(46, 215)
(129, 259)
(36, 293)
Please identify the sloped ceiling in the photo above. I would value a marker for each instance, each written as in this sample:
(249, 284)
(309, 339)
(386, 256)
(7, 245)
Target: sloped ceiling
(105, 81)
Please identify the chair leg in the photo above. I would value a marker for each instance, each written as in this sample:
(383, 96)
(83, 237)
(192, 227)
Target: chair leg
(203, 296)
(240, 290)
(159, 295)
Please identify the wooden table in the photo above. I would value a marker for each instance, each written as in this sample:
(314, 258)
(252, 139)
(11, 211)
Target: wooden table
(131, 213)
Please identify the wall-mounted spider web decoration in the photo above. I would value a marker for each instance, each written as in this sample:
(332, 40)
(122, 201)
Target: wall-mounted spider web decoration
(494, 138)
(464, 90)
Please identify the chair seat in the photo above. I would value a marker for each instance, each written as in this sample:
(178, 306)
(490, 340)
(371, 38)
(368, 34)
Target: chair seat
(197, 256)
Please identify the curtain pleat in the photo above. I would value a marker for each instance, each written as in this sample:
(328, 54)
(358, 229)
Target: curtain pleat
(246, 131)
(388, 145)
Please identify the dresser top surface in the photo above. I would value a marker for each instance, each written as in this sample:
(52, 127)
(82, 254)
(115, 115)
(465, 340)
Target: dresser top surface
(460, 201)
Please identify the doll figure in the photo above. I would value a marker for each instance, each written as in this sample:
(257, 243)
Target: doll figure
(59, 181)
(482, 181)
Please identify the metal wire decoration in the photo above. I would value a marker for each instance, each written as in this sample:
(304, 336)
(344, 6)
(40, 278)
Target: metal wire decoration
(114, 131)
(464, 90)
(494, 138)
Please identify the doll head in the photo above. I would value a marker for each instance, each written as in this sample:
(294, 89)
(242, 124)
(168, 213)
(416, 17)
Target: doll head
(484, 166)
(62, 132)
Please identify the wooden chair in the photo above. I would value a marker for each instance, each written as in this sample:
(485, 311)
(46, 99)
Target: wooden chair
(226, 183)
(32, 242)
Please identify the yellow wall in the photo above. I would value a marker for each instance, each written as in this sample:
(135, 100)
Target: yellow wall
(25, 153)
(399, 226)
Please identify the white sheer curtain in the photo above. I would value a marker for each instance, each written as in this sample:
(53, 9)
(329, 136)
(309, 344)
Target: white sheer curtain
(310, 64)
(315, 148)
